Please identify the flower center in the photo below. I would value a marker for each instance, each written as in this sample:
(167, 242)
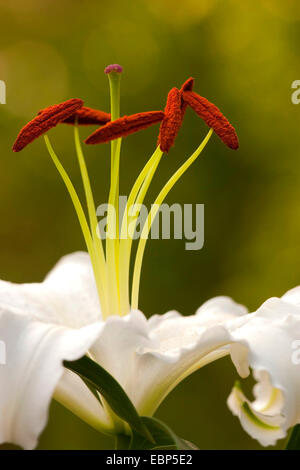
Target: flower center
(111, 263)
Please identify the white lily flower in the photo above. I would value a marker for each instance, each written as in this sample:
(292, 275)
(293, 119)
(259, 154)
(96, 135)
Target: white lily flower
(265, 341)
(60, 319)
(83, 307)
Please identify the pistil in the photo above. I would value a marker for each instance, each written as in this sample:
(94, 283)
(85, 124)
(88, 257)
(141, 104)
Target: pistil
(112, 236)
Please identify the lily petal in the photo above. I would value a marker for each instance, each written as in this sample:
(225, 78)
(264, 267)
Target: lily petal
(40, 326)
(264, 342)
(71, 285)
(34, 355)
(150, 357)
(68, 295)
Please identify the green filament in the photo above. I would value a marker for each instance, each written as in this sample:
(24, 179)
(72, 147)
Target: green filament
(81, 216)
(134, 202)
(154, 209)
(98, 248)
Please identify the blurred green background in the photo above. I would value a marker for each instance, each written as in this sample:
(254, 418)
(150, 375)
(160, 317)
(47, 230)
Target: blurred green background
(244, 56)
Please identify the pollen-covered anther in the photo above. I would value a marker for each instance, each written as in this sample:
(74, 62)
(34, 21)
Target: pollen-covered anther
(213, 118)
(186, 86)
(172, 120)
(46, 120)
(124, 126)
(88, 116)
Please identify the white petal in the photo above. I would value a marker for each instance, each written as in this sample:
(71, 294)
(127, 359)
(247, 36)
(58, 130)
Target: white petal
(68, 296)
(292, 296)
(34, 355)
(150, 357)
(220, 309)
(263, 426)
(41, 325)
(71, 286)
(266, 342)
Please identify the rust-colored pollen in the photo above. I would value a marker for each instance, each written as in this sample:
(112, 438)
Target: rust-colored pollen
(124, 126)
(186, 86)
(48, 118)
(88, 116)
(172, 120)
(213, 118)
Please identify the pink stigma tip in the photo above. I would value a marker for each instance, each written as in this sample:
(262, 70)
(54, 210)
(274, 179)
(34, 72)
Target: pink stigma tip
(113, 68)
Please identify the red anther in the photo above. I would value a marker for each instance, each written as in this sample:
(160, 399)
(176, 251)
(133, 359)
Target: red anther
(48, 118)
(172, 120)
(88, 116)
(124, 126)
(186, 86)
(213, 118)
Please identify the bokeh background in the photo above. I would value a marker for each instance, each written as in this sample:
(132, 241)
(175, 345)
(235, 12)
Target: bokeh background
(244, 56)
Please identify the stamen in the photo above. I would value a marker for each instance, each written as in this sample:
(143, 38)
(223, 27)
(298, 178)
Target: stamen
(213, 118)
(154, 209)
(124, 126)
(100, 274)
(186, 86)
(172, 120)
(45, 121)
(81, 218)
(88, 116)
(174, 114)
(135, 199)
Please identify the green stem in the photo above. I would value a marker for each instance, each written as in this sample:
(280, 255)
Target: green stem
(154, 209)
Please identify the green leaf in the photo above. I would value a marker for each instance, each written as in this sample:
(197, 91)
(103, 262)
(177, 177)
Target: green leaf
(147, 433)
(98, 378)
(93, 390)
(122, 442)
(163, 436)
(294, 440)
